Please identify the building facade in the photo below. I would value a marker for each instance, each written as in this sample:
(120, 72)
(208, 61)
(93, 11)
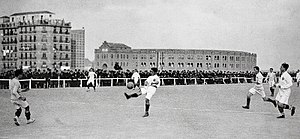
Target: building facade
(77, 48)
(34, 39)
(109, 54)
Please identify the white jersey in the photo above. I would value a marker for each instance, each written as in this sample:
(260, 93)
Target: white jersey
(135, 76)
(285, 83)
(91, 77)
(298, 76)
(153, 81)
(258, 81)
(14, 87)
(271, 78)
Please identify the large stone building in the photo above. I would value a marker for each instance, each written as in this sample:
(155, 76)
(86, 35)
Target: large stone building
(34, 39)
(109, 54)
(77, 48)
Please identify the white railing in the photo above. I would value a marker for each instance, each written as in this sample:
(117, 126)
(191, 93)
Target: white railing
(110, 82)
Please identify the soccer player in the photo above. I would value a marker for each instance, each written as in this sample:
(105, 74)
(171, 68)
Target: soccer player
(91, 78)
(151, 84)
(17, 100)
(284, 84)
(271, 80)
(298, 78)
(258, 88)
(136, 79)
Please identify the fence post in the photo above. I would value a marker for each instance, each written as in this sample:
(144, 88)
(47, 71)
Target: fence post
(195, 81)
(58, 80)
(80, 82)
(64, 83)
(29, 86)
(174, 82)
(205, 81)
(111, 82)
(185, 81)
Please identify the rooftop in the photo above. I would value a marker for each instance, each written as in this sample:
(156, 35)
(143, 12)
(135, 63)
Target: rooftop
(35, 12)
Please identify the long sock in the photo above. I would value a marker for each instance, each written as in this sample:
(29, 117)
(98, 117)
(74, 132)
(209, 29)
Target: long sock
(18, 112)
(27, 113)
(271, 100)
(272, 91)
(248, 101)
(285, 106)
(134, 95)
(281, 110)
(147, 106)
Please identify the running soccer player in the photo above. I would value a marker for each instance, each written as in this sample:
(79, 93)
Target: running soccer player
(258, 88)
(91, 79)
(151, 84)
(298, 78)
(17, 100)
(271, 80)
(136, 79)
(284, 84)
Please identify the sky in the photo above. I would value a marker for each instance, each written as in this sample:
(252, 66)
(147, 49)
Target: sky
(269, 28)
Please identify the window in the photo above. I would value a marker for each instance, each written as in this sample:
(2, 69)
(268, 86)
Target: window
(44, 38)
(208, 57)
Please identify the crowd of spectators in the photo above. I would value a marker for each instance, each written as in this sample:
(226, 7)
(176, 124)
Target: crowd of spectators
(82, 74)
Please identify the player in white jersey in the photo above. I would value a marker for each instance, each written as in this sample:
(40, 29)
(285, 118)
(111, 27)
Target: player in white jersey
(17, 100)
(271, 80)
(258, 88)
(298, 78)
(151, 84)
(284, 84)
(136, 78)
(91, 79)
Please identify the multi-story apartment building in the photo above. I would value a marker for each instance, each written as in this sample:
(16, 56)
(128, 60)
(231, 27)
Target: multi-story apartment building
(109, 54)
(77, 48)
(35, 40)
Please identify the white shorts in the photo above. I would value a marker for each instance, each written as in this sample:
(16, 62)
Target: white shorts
(258, 91)
(283, 97)
(90, 81)
(271, 83)
(19, 104)
(149, 91)
(298, 80)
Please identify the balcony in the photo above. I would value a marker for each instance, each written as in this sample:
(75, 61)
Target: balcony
(44, 49)
(64, 49)
(44, 58)
(27, 49)
(32, 58)
(64, 58)
(54, 31)
(52, 22)
(55, 40)
(44, 31)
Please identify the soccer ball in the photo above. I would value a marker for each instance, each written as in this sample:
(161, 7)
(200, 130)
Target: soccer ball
(130, 85)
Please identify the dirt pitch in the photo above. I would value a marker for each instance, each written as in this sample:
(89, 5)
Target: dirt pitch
(203, 111)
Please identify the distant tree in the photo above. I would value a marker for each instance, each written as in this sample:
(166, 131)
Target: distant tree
(117, 66)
